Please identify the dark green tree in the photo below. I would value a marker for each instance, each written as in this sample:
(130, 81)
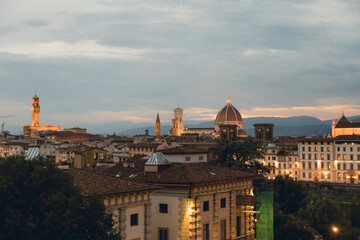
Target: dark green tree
(239, 155)
(323, 213)
(40, 201)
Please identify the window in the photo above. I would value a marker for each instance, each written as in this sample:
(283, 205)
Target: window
(269, 158)
(315, 156)
(338, 167)
(328, 157)
(206, 206)
(303, 175)
(322, 149)
(338, 149)
(303, 149)
(163, 208)
(315, 149)
(316, 166)
(201, 158)
(322, 156)
(351, 167)
(303, 165)
(223, 229)
(344, 149)
(223, 203)
(309, 165)
(344, 166)
(134, 219)
(322, 165)
(358, 157)
(163, 234)
(206, 235)
(358, 167)
(338, 157)
(309, 174)
(328, 149)
(309, 156)
(303, 156)
(309, 149)
(351, 149)
(344, 156)
(238, 226)
(284, 165)
(351, 157)
(187, 158)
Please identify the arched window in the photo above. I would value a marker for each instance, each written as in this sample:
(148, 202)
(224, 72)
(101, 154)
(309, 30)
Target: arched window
(259, 134)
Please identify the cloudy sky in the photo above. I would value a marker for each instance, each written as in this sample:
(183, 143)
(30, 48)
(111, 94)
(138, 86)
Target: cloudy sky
(96, 61)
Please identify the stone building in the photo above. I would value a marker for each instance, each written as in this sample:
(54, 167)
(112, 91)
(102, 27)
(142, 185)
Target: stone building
(35, 127)
(345, 127)
(129, 201)
(177, 123)
(195, 200)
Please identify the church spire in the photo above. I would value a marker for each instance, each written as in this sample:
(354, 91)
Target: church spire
(157, 125)
(228, 100)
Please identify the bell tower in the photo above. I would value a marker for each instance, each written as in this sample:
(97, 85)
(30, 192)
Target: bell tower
(157, 125)
(35, 111)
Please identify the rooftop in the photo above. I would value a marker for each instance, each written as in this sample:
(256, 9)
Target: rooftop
(91, 183)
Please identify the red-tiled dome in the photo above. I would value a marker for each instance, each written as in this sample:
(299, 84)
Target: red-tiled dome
(228, 115)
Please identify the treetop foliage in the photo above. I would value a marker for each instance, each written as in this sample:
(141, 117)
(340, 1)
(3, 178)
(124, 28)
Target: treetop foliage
(40, 201)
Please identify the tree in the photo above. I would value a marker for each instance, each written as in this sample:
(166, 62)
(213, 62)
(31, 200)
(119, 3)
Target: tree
(239, 155)
(39, 201)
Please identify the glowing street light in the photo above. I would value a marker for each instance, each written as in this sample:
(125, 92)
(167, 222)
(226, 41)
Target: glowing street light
(335, 230)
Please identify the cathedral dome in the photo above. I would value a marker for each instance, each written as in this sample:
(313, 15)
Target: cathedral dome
(228, 115)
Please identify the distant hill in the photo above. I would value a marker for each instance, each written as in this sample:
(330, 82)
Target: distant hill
(288, 126)
(293, 126)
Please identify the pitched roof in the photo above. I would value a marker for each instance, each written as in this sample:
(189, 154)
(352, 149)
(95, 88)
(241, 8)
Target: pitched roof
(139, 164)
(98, 183)
(184, 173)
(144, 145)
(157, 159)
(183, 150)
(345, 123)
(32, 153)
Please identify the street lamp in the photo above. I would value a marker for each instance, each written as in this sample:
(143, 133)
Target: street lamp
(335, 230)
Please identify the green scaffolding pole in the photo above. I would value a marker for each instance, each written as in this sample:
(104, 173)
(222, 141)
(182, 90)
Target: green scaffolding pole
(265, 216)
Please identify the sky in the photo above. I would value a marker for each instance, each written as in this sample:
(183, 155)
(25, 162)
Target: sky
(99, 61)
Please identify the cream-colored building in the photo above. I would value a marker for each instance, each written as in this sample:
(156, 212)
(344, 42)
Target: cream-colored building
(195, 200)
(318, 159)
(129, 201)
(344, 127)
(186, 154)
(7, 150)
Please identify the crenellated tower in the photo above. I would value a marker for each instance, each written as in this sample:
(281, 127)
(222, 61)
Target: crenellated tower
(157, 125)
(35, 111)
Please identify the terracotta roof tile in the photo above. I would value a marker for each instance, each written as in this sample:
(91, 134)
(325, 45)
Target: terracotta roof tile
(183, 150)
(98, 183)
(184, 173)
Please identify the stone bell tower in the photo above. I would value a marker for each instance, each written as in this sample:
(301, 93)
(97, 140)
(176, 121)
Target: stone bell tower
(35, 111)
(157, 125)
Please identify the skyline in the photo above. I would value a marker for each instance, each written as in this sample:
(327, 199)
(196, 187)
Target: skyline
(105, 61)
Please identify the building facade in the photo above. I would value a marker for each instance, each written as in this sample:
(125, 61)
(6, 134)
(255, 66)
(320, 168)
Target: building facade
(30, 131)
